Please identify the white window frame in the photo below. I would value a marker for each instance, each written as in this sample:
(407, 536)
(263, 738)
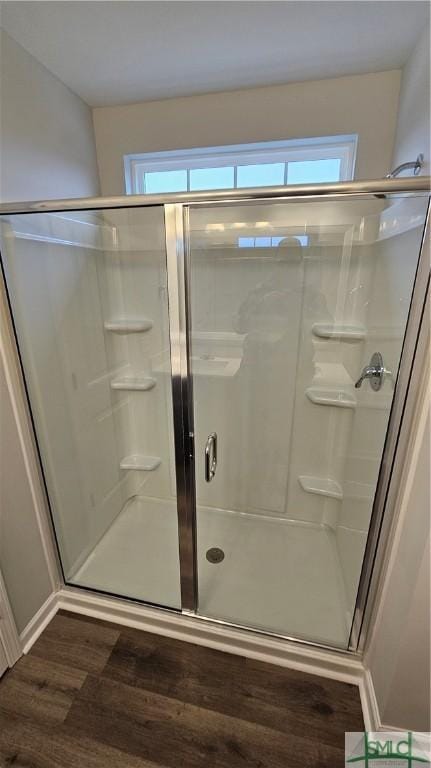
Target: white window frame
(291, 150)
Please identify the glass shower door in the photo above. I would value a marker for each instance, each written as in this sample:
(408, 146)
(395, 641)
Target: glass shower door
(88, 293)
(298, 313)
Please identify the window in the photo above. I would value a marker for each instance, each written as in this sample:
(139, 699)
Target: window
(272, 163)
(270, 242)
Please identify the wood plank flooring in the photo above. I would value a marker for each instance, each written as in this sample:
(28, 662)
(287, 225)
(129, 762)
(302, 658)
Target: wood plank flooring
(96, 695)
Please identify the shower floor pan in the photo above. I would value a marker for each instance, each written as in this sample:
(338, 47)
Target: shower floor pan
(277, 575)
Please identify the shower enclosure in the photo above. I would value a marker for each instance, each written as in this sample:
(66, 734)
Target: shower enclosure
(211, 381)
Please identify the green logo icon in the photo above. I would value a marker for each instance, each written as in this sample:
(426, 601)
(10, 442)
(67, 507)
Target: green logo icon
(392, 749)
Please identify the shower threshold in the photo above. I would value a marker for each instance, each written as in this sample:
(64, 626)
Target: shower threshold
(277, 575)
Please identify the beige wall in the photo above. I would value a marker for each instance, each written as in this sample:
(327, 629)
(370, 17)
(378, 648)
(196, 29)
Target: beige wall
(399, 652)
(413, 127)
(363, 104)
(46, 134)
(46, 150)
(22, 558)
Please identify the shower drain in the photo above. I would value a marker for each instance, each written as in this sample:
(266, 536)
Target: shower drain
(215, 555)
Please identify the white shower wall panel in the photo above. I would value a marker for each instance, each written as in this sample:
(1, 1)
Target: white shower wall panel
(138, 290)
(55, 293)
(336, 281)
(392, 266)
(252, 299)
(270, 433)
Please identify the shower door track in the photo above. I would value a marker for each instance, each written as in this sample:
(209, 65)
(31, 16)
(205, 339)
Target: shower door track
(176, 210)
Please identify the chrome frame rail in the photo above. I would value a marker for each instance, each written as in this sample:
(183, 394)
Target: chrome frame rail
(373, 187)
(182, 402)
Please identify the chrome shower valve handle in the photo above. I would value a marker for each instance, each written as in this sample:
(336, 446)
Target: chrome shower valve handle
(375, 372)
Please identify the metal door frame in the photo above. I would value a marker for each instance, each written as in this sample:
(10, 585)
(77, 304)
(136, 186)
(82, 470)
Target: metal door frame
(176, 210)
(182, 400)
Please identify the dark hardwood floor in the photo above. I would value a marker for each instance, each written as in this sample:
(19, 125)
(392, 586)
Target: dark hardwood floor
(96, 695)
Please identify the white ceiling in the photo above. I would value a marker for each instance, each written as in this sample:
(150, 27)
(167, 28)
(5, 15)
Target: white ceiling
(121, 52)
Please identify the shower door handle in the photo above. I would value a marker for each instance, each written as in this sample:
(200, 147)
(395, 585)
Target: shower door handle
(211, 456)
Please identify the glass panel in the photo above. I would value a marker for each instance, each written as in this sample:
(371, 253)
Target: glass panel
(313, 171)
(88, 293)
(262, 175)
(157, 182)
(212, 178)
(279, 336)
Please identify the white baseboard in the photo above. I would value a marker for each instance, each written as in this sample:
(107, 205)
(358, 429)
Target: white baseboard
(370, 708)
(338, 666)
(39, 621)
(9, 637)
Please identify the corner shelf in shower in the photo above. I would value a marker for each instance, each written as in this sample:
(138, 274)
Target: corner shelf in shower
(338, 398)
(340, 331)
(133, 383)
(322, 486)
(140, 462)
(128, 326)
